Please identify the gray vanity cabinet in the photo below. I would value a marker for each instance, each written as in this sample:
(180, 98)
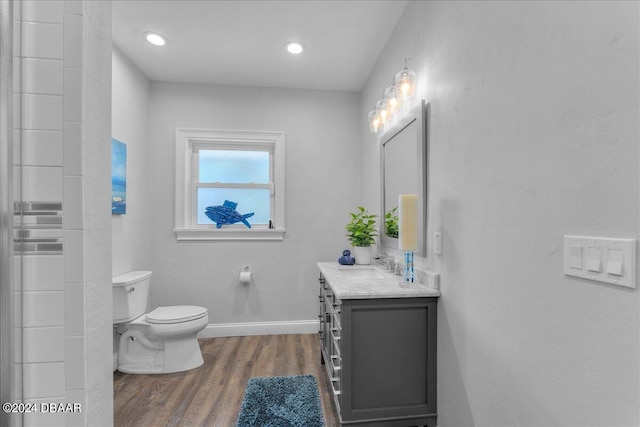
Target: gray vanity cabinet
(380, 356)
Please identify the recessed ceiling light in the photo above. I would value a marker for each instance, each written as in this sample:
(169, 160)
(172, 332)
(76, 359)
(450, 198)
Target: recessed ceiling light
(155, 39)
(294, 47)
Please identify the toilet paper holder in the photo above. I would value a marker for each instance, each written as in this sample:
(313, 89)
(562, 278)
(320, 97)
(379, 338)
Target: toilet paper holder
(245, 275)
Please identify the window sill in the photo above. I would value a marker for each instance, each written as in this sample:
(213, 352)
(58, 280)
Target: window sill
(229, 234)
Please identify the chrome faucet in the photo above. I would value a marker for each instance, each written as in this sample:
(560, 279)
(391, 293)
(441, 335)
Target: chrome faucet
(387, 262)
(398, 268)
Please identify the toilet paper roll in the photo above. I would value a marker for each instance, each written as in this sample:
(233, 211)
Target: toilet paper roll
(245, 277)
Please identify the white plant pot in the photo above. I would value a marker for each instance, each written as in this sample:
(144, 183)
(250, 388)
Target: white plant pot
(362, 254)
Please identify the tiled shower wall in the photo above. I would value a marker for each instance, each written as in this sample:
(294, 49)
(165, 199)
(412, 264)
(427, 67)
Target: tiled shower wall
(60, 44)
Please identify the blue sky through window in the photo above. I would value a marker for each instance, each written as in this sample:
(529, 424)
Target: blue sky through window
(233, 166)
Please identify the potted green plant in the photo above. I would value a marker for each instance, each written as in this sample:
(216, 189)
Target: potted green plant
(362, 232)
(391, 223)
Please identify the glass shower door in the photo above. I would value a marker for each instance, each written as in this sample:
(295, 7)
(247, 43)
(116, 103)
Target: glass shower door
(10, 218)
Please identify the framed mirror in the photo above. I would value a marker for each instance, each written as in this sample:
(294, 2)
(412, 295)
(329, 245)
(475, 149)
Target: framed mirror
(403, 162)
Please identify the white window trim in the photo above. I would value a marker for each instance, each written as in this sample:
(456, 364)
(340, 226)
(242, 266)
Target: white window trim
(185, 139)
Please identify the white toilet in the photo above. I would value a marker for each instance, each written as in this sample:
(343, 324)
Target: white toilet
(159, 342)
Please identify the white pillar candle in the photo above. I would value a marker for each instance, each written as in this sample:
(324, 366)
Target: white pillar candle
(408, 222)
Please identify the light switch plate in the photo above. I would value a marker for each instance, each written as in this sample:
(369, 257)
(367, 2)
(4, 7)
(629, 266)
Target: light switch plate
(607, 260)
(437, 242)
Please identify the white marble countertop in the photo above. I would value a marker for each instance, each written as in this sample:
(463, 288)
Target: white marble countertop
(370, 281)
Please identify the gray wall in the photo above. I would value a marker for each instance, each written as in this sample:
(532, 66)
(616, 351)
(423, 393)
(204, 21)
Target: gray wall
(533, 135)
(130, 124)
(322, 185)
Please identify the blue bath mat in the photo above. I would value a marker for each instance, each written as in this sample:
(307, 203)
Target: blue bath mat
(281, 402)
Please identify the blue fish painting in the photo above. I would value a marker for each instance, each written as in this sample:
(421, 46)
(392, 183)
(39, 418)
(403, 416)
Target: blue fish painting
(227, 214)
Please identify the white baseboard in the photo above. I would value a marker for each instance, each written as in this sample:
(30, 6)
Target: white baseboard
(259, 328)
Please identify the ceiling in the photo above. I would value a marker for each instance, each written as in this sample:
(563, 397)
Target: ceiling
(242, 42)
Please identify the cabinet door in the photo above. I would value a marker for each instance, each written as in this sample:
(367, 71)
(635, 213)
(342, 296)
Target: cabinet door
(388, 358)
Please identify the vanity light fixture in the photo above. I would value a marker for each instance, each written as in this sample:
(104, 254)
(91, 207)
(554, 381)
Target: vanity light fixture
(379, 115)
(401, 90)
(374, 121)
(392, 99)
(383, 112)
(294, 48)
(405, 81)
(155, 38)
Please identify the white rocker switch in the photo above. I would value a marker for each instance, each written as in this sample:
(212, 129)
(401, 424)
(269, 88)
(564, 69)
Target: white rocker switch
(575, 257)
(615, 263)
(609, 260)
(594, 259)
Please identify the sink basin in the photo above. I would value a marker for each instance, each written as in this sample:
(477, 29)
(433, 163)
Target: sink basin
(362, 274)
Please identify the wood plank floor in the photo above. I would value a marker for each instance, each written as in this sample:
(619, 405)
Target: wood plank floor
(211, 395)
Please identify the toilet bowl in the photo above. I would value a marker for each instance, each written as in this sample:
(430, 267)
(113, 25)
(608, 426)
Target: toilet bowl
(161, 341)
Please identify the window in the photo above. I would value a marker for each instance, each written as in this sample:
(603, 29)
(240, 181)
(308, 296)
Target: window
(243, 167)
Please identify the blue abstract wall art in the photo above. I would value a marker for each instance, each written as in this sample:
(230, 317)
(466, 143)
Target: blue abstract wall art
(118, 177)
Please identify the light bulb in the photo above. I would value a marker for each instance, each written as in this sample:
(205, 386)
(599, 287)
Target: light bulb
(405, 89)
(294, 48)
(374, 121)
(392, 99)
(381, 108)
(406, 83)
(155, 39)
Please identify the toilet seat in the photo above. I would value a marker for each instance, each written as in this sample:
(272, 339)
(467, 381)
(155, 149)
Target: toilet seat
(175, 314)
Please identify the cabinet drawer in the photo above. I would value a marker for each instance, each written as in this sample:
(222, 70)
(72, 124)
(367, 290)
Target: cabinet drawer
(335, 363)
(335, 385)
(336, 348)
(336, 304)
(335, 336)
(335, 322)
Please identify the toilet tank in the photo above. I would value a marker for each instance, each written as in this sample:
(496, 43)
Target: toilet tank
(130, 295)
